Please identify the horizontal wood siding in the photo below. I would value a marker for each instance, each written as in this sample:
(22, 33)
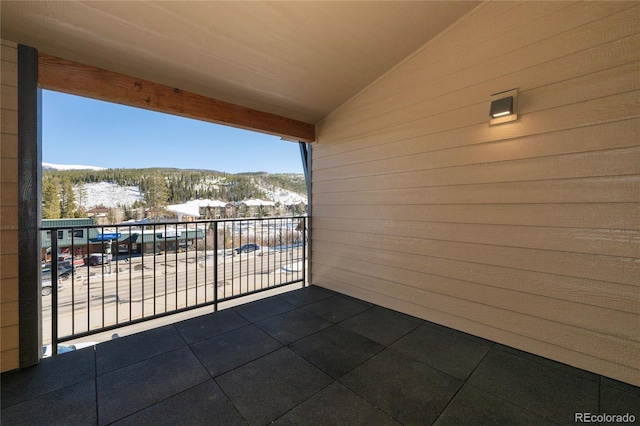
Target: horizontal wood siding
(9, 208)
(526, 233)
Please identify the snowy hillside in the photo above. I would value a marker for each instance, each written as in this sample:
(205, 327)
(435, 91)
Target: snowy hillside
(111, 195)
(119, 187)
(107, 194)
(283, 196)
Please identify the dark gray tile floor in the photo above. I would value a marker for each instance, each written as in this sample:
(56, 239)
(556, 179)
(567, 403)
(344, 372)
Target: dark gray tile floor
(310, 356)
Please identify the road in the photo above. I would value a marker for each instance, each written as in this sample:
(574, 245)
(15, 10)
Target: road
(127, 290)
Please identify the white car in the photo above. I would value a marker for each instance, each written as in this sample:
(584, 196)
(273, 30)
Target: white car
(47, 287)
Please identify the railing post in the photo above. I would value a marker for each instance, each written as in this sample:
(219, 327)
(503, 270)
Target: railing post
(54, 292)
(304, 251)
(215, 266)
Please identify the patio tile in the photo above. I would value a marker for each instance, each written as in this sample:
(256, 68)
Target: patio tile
(207, 326)
(293, 325)
(127, 350)
(611, 383)
(447, 350)
(619, 398)
(407, 390)
(306, 296)
(50, 375)
(263, 309)
(204, 404)
(130, 389)
(72, 405)
(548, 362)
(268, 387)
(554, 393)
(335, 405)
(336, 350)
(382, 325)
(337, 308)
(233, 349)
(473, 406)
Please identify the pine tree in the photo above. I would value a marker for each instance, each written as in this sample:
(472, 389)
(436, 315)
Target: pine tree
(50, 199)
(157, 192)
(82, 197)
(111, 216)
(67, 199)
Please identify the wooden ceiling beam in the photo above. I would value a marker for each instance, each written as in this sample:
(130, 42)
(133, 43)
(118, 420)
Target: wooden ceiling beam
(77, 79)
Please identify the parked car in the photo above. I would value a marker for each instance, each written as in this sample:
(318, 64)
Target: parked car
(98, 259)
(65, 270)
(47, 287)
(247, 248)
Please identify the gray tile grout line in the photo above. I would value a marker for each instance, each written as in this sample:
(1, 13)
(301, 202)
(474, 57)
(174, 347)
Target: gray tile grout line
(464, 382)
(248, 362)
(288, 346)
(182, 391)
(490, 392)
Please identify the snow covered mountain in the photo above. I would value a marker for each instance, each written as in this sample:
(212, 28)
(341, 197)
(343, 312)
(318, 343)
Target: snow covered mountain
(113, 195)
(50, 166)
(283, 196)
(109, 194)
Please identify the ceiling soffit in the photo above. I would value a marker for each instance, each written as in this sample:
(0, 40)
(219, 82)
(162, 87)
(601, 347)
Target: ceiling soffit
(296, 59)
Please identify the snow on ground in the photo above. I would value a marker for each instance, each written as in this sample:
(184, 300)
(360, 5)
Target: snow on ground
(111, 195)
(107, 194)
(283, 196)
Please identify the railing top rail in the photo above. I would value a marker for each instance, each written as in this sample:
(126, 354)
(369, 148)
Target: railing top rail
(162, 224)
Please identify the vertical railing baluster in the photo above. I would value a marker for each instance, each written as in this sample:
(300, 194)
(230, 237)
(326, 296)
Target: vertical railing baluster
(215, 266)
(224, 261)
(196, 261)
(130, 277)
(102, 265)
(304, 251)
(165, 268)
(176, 245)
(186, 266)
(88, 285)
(73, 277)
(117, 275)
(142, 250)
(154, 268)
(54, 291)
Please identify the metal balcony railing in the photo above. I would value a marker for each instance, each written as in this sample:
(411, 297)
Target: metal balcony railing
(120, 275)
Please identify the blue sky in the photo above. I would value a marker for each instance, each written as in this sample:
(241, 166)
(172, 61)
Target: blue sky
(78, 130)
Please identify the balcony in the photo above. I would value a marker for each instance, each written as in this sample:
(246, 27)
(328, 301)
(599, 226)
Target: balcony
(308, 356)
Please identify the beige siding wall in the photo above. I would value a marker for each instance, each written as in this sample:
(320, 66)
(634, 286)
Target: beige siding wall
(9, 208)
(526, 233)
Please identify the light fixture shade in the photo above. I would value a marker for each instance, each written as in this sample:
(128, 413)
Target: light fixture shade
(504, 107)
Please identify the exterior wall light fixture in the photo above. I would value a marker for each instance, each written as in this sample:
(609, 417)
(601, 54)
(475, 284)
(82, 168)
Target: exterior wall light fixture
(504, 107)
